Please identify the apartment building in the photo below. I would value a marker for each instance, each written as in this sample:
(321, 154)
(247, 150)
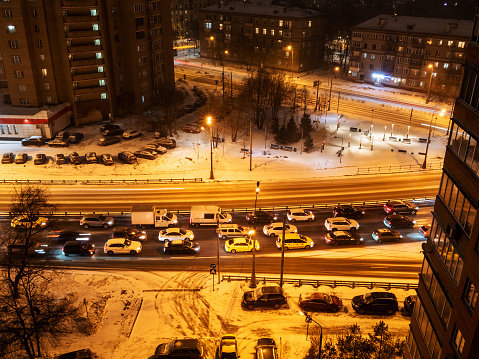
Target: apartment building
(184, 18)
(104, 57)
(445, 320)
(260, 34)
(413, 53)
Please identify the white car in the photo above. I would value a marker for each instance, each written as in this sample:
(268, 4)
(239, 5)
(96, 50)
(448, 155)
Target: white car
(121, 246)
(276, 228)
(300, 215)
(131, 134)
(341, 224)
(173, 233)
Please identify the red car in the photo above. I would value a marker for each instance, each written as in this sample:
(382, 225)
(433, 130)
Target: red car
(320, 302)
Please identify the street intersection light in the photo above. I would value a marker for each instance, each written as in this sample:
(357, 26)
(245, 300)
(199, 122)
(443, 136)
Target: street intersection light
(308, 319)
(210, 123)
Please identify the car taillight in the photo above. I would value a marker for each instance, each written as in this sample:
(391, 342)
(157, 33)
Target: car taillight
(388, 209)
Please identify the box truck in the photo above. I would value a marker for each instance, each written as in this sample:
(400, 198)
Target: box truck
(149, 215)
(208, 215)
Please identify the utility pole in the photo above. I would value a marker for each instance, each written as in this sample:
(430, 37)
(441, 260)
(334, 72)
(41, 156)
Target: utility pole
(250, 147)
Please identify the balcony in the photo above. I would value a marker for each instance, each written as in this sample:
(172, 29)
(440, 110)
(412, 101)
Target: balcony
(85, 62)
(73, 19)
(84, 48)
(88, 76)
(82, 33)
(89, 90)
(77, 4)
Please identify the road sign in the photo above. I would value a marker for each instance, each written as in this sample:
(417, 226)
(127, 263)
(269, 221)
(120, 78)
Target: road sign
(308, 319)
(212, 265)
(212, 270)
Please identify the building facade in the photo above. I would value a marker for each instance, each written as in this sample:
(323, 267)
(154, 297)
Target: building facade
(272, 36)
(104, 57)
(445, 320)
(185, 18)
(398, 51)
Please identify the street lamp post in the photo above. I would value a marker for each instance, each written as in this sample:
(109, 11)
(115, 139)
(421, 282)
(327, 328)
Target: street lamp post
(226, 53)
(210, 123)
(430, 80)
(310, 319)
(253, 274)
(342, 147)
(290, 48)
(371, 127)
(212, 38)
(427, 144)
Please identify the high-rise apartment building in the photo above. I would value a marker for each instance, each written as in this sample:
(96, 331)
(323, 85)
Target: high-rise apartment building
(104, 57)
(184, 18)
(445, 321)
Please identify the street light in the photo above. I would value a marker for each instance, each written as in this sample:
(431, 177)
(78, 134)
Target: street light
(197, 143)
(430, 80)
(308, 320)
(336, 70)
(226, 53)
(428, 140)
(342, 147)
(212, 38)
(210, 123)
(290, 48)
(253, 274)
(371, 128)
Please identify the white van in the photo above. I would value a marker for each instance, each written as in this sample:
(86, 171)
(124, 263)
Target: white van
(208, 215)
(231, 230)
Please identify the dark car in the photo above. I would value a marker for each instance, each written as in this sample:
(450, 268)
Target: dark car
(375, 302)
(21, 158)
(127, 157)
(60, 159)
(397, 207)
(342, 238)
(180, 246)
(320, 302)
(386, 235)
(107, 159)
(266, 349)
(169, 143)
(348, 211)
(109, 126)
(58, 142)
(62, 135)
(7, 157)
(424, 230)
(35, 248)
(65, 236)
(77, 354)
(260, 217)
(180, 349)
(91, 157)
(267, 296)
(146, 154)
(40, 159)
(33, 141)
(75, 158)
(78, 247)
(107, 141)
(113, 132)
(75, 137)
(192, 129)
(409, 302)
(398, 221)
(130, 233)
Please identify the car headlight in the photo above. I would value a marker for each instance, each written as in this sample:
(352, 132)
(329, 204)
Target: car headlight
(110, 223)
(192, 236)
(361, 239)
(197, 249)
(312, 244)
(138, 249)
(175, 221)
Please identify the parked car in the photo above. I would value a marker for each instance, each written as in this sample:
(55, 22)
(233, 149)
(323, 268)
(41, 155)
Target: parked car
(129, 134)
(265, 296)
(240, 244)
(260, 217)
(192, 129)
(77, 354)
(320, 302)
(398, 221)
(33, 141)
(107, 141)
(7, 157)
(409, 302)
(107, 159)
(336, 238)
(424, 230)
(146, 154)
(266, 349)
(180, 349)
(294, 241)
(397, 207)
(96, 220)
(386, 235)
(75, 158)
(65, 236)
(276, 228)
(121, 246)
(24, 221)
(80, 248)
(75, 137)
(109, 126)
(127, 157)
(375, 302)
(189, 108)
(58, 142)
(172, 233)
(348, 211)
(169, 143)
(181, 246)
(62, 135)
(113, 132)
(91, 157)
(299, 215)
(155, 147)
(34, 249)
(341, 224)
(40, 159)
(228, 347)
(21, 158)
(60, 159)
(129, 233)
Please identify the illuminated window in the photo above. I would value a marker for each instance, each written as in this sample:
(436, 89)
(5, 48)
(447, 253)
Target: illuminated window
(100, 68)
(10, 29)
(103, 96)
(95, 27)
(458, 341)
(101, 82)
(44, 72)
(99, 55)
(93, 12)
(470, 295)
(97, 42)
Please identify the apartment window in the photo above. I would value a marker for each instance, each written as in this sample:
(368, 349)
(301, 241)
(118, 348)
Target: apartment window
(440, 42)
(99, 55)
(450, 43)
(280, 22)
(412, 347)
(373, 56)
(2, 70)
(365, 55)
(13, 44)
(100, 68)
(227, 36)
(3, 129)
(7, 13)
(101, 82)
(22, 88)
(138, 7)
(309, 23)
(256, 49)
(103, 96)
(49, 99)
(10, 29)
(208, 25)
(461, 44)
(23, 101)
(457, 341)
(34, 12)
(44, 72)
(438, 53)
(470, 295)
(36, 28)
(95, 27)
(9, 127)
(399, 60)
(142, 60)
(42, 57)
(47, 85)
(426, 330)
(93, 12)
(39, 43)
(405, 71)
(272, 32)
(16, 59)
(141, 47)
(264, 31)
(97, 42)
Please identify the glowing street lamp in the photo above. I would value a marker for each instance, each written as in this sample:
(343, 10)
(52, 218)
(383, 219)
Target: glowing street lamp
(290, 48)
(430, 80)
(210, 123)
(212, 38)
(253, 239)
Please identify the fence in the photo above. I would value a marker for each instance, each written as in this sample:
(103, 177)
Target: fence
(398, 169)
(99, 181)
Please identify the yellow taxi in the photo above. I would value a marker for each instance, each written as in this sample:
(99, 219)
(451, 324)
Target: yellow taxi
(294, 241)
(25, 221)
(234, 245)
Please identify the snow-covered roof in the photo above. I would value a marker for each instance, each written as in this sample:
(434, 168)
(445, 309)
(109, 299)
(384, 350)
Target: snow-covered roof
(424, 25)
(261, 8)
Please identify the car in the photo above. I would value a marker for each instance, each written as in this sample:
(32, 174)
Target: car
(375, 302)
(386, 235)
(127, 157)
(260, 217)
(77, 354)
(240, 244)
(129, 134)
(91, 157)
(173, 233)
(294, 215)
(228, 347)
(7, 157)
(130, 233)
(107, 141)
(109, 126)
(348, 211)
(276, 228)
(294, 241)
(266, 349)
(231, 230)
(397, 207)
(60, 159)
(169, 143)
(33, 141)
(62, 135)
(75, 158)
(24, 221)
(96, 220)
(75, 137)
(189, 108)
(409, 302)
(320, 302)
(336, 238)
(121, 246)
(180, 349)
(58, 142)
(21, 158)
(181, 246)
(40, 159)
(80, 248)
(34, 248)
(146, 154)
(424, 230)
(65, 236)
(156, 148)
(107, 159)
(192, 129)
(341, 224)
(265, 296)
(398, 221)
(113, 131)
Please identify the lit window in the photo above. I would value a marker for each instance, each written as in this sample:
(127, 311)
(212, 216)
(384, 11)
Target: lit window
(272, 32)
(103, 96)
(280, 22)
(256, 30)
(10, 29)
(97, 42)
(100, 68)
(450, 43)
(93, 12)
(264, 31)
(101, 82)
(99, 55)
(208, 25)
(470, 295)
(309, 23)
(42, 57)
(49, 99)
(47, 85)
(44, 72)
(458, 340)
(461, 44)
(95, 27)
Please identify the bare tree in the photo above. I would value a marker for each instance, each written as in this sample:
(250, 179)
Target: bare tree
(169, 101)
